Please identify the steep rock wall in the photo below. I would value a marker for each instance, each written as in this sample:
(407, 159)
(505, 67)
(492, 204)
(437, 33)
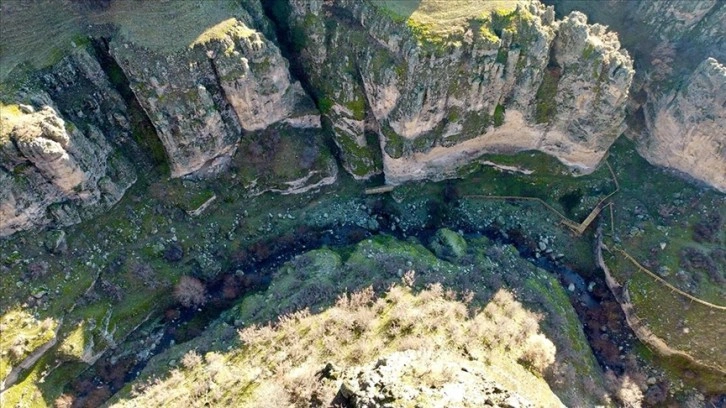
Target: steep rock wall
(672, 42)
(202, 96)
(507, 80)
(51, 166)
(687, 129)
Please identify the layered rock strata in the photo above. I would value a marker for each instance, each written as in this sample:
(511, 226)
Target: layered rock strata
(505, 80)
(201, 97)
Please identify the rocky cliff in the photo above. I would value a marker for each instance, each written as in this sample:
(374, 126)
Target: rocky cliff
(58, 151)
(677, 47)
(435, 94)
(687, 128)
(203, 95)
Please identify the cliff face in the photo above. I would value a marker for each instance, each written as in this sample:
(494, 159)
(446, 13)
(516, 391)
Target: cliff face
(676, 44)
(54, 164)
(506, 78)
(700, 23)
(202, 96)
(686, 123)
(687, 129)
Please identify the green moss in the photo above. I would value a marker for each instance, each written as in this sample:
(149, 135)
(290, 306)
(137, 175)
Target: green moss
(361, 160)
(358, 107)
(394, 142)
(487, 34)
(498, 117)
(476, 123)
(587, 52)
(70, 127)
(448, 244)
(325, 104)
(546, 105)
(424, 32)
(502, 56)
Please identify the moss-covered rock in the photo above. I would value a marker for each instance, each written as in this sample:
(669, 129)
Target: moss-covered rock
(448, 244)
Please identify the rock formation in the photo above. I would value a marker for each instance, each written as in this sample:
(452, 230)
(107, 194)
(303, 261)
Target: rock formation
(202, 96)
(51, 166)
(687, 129)
(439, 380)
(679, 45)
(502, 80)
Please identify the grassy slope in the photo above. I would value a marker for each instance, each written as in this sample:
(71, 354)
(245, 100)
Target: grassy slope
(39, 33)
(443, 17)
(281, 363)
(655, 208)
(314, 280)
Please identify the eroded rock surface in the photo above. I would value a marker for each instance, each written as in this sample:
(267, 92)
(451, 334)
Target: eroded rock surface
(507, 80)
(201, 97)
(416, 378)
(687, 130)
(50, 166)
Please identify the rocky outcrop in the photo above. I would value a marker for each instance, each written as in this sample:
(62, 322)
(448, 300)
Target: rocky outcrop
(202, 96)
(50, 166)
(672, 40)
(687, 129)
(503, 80)
(426, 379)
(700, 23)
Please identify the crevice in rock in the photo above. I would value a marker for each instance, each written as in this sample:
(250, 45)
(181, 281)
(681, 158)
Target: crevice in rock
(288, 40)
(149, 150)
(222, 103)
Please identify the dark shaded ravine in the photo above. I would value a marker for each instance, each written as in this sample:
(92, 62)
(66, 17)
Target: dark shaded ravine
(596, 308)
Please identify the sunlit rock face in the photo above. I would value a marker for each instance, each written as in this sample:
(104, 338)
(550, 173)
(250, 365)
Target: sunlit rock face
(509, 79)
(50, 166)
(201, 97)
(676, 102)
(687, 129)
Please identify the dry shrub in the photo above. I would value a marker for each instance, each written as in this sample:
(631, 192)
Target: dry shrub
(190, 292)
(64, 401)
(191, 360)
(539, 353)
(281, 361)
(624, 389)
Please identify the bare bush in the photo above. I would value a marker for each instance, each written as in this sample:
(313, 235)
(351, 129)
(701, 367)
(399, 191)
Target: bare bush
(539, 353)
(190, 292)
(191, 360)
(64, 401)
(624, 389)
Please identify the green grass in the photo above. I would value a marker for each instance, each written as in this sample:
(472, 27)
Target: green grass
(171, 26)
(39, 33)
(652, 208)
(546, 104)
(686, 326)
(22, 334)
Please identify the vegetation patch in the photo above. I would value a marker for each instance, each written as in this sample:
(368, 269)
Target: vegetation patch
(545, 99)
(498, 117)
(22, 334)
(281, 361)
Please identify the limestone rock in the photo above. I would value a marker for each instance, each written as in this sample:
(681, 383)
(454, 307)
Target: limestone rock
(50, 165)
(203, 96)
(412, 378)
(510, 80)
(687, 129)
